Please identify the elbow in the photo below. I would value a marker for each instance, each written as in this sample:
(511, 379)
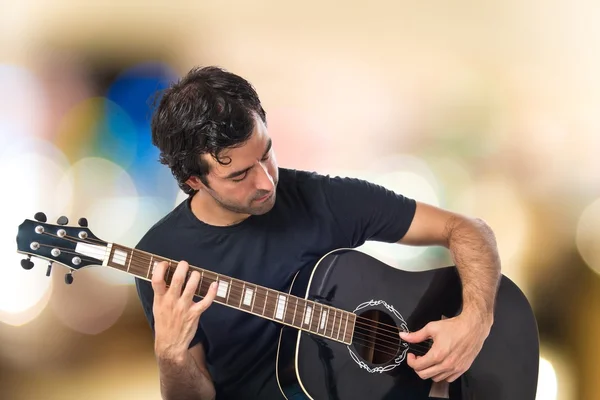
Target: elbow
(465, 229)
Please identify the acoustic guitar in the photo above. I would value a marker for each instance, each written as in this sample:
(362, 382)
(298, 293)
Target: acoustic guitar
(340, 320)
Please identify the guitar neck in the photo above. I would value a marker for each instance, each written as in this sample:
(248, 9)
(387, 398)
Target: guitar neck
(306, 315)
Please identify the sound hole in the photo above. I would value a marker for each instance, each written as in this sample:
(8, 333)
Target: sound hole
(376, 337)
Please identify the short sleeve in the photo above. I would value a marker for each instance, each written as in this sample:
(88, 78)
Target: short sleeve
(146, 295)
(367, 211)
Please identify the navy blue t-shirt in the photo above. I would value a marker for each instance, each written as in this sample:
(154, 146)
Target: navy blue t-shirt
(313, 215)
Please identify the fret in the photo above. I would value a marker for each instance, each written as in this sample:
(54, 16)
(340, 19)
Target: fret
(228, 292)
(242, 294)
(130, 256)
(287, 300)
(247, 297)
(315, 318)
(265, 303)
(346, 339)
(207, 278)
(222, 288)
(253, 297)
(330, 323)
(150, 267)
(310, 309)
(303, 313)
(234, 288)
(324, 319)
(280, 307)
(201, 279)
(295, 309)
(169, 273)
(338, 323)
(260, 303)
(332, 334)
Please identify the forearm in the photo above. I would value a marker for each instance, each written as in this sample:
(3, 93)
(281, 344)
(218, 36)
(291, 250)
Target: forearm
(182, 379)
(472, 245)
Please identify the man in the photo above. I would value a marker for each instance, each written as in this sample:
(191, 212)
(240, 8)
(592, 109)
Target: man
(247, 218)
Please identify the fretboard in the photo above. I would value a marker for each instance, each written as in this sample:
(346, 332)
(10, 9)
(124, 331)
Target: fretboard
(307, 315)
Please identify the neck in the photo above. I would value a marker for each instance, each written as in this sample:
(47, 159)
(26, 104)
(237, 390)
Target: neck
(274, 305)
(208, 210)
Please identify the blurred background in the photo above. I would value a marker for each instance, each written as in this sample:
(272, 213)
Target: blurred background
(485, 108)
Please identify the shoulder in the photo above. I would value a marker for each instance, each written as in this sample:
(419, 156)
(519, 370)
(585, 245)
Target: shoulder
(302, 180)
(157, 233)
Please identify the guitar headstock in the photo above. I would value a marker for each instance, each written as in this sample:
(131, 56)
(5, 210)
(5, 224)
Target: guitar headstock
(74, 247)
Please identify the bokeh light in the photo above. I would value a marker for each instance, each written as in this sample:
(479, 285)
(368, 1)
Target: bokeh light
(555, 377)
(547, 384)
(483, 199)
(409, 176)
(136, 90)
(105, 194)
(35, 170)
(89, 305)
(22, 104)
(588, 235)
(98, 127)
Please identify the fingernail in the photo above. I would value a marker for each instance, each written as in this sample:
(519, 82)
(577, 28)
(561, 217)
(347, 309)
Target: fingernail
(403, 334)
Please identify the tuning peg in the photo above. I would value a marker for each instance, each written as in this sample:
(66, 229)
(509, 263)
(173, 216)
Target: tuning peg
(83, 222)
(49, 269)
(40, 216)
(69, 278)
(26, 263)
(63, 220)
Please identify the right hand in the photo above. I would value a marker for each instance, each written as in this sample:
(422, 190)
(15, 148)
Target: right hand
(176, 315)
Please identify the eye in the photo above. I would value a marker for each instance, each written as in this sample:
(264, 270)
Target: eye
(240, 179)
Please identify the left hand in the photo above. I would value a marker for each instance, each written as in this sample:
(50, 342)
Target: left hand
(456, 343)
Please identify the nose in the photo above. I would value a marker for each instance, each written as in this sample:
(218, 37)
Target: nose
(264, 181)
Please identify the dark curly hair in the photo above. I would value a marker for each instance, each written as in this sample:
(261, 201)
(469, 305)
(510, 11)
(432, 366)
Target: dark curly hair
(205, 112)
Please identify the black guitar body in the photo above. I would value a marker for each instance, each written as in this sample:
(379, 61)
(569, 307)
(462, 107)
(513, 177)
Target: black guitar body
(374, 367)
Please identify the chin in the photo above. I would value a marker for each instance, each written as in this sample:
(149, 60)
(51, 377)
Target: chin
(265, 207)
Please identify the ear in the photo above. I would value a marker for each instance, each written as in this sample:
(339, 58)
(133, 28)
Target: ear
(195, 183)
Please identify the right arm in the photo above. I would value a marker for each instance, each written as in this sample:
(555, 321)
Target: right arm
(186, 377)
(183, 372)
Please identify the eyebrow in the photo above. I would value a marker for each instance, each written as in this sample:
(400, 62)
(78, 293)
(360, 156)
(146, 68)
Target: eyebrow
(243, 171)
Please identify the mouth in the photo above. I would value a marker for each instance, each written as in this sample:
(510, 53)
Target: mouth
(264, 198)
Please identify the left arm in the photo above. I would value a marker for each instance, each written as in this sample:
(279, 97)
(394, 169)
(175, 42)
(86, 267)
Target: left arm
(472, 244)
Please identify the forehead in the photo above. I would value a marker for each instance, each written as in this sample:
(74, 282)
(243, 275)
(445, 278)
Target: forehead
(242, 156)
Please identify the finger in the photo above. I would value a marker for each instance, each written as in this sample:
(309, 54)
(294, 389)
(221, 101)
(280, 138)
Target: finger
(191, 285)
(179, 278)
(433, 371)
(441, 376)
(453, 377)
(158, 278)
(420, 363)
(419, 336)
(203, 304)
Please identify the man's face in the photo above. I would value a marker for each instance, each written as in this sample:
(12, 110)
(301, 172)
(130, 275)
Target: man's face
(247, 184)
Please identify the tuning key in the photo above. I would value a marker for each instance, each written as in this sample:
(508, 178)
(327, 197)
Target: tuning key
(69, 278)
(63, 220)
(83, 222)
(26, 263)
(40, 216)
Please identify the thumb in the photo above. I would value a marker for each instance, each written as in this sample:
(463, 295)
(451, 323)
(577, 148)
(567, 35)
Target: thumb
(417, 336)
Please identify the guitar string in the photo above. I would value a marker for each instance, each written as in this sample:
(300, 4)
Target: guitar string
(234, 295)
(146, 266)
(379, 328)
(361, 334)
